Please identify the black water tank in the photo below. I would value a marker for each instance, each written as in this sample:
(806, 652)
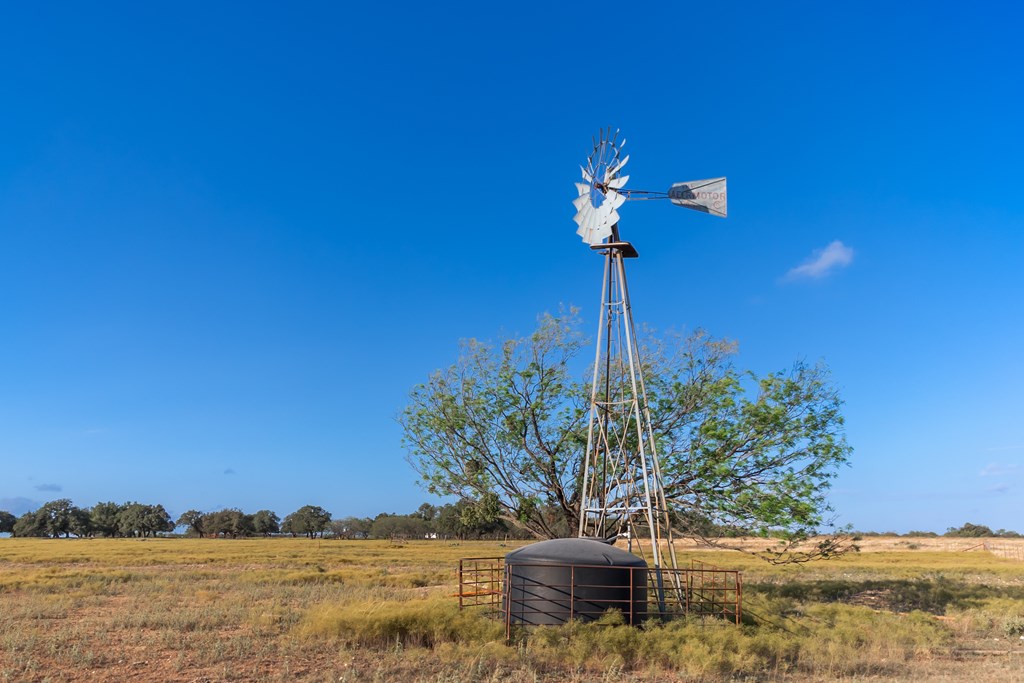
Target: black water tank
(551, 582)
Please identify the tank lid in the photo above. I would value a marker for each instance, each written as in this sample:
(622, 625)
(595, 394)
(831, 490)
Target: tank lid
(574, 551)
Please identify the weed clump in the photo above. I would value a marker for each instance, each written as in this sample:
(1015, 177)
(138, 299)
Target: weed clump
(410, 623)
(816, 639)
(832, 639)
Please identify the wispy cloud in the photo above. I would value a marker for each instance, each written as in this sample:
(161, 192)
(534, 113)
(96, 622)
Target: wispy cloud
(822, 262)
(999, 488)
(49, 487)
(229, 471)
(997, 469)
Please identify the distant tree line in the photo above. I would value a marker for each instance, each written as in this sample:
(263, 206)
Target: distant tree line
(979, 531)
(229, 523)
(465, 519)
(62, 518)
(968, 530)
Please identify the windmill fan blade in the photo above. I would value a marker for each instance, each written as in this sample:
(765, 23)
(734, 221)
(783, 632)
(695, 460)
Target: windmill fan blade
(583, 217)
(581, 220)
(581, 201)
(708, 196)
(587, 235)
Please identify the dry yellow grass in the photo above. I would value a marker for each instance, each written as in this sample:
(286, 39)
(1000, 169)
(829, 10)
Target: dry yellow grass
(294, 609)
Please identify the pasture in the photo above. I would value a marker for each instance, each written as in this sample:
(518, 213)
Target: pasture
(301, 610)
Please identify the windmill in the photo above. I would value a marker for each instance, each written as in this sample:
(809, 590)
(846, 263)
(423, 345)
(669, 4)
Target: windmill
(622, 489)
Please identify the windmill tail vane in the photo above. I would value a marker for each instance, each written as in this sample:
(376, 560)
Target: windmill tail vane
(708, 196)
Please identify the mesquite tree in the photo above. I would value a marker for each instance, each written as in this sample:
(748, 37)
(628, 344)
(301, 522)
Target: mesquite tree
(741, 455)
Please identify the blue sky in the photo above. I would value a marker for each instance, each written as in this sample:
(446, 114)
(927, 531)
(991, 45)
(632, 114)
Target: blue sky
(232, 237)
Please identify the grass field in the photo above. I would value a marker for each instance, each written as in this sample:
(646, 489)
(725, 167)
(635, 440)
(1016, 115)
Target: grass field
(301, 610)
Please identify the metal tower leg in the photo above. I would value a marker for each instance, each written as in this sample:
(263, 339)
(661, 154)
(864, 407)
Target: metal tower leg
(622, 485)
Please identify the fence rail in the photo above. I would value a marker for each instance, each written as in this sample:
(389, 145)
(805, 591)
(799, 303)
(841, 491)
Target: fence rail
(1011, 552)
(700, 590)
(481, 581)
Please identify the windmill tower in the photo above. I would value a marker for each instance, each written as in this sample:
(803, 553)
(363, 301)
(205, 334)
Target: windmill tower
(622, 490)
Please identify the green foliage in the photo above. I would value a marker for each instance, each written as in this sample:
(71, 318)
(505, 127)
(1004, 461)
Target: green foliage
(740, 454)
(1013, 626)
(139, 520)
(969, 530)
(466, 519)
(195, 521)
(7, 521)
(839, 639)
(58, 517)
(29, 525)
(61, 517)
(935, 595)
(398, 526)
(426, 512)
(104, 519)
(351, 527)
(505, 421)
(54, 519)
(229, 523)
(266, 522)
(309, 520)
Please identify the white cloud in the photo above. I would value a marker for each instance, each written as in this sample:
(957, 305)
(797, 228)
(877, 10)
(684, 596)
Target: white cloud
(822, 262)
(995, 469)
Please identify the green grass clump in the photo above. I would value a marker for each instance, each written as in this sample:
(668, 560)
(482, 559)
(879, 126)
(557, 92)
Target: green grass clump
(830, 639)
(838, 639)
(410, 623)
(992, 617)
(816, 639)
(930, 594)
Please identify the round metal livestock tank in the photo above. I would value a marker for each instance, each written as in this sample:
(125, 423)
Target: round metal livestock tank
(552, 582)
